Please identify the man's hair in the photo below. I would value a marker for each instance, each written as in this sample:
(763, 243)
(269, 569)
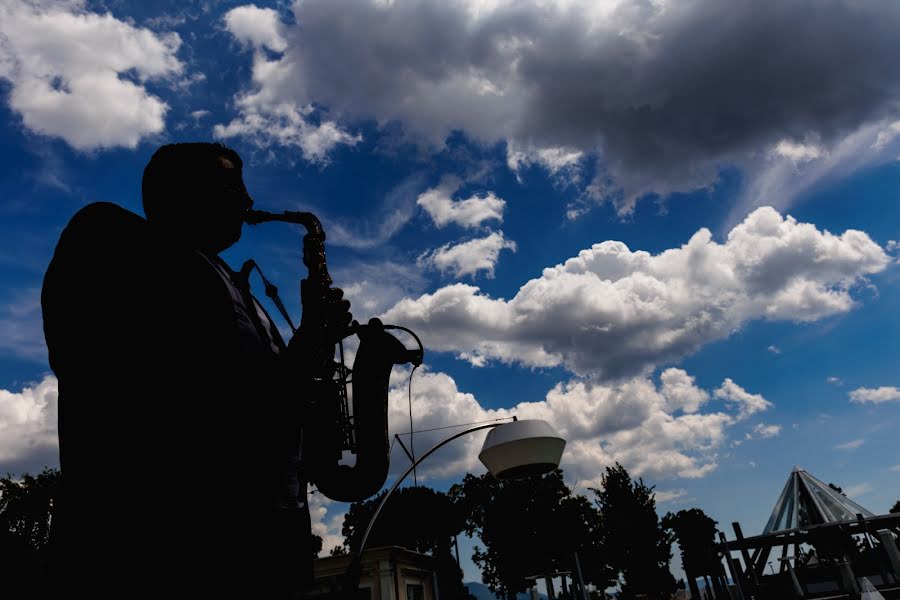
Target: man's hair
(177, 171)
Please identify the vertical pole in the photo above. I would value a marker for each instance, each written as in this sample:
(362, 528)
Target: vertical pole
(550, 594)
(848, 579)
(584, 593)
(717, 585)
(723, 583)
(784, 551)
(889, 546)
(732, 568)
(748, 564)
(692, 585)
(798, 589)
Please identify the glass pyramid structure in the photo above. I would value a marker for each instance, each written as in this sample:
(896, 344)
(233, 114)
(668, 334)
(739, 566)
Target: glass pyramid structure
(807, 501)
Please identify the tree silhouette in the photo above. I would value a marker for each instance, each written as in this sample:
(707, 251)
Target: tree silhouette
(417, 518)
(26, 507)
(696, 536)
(896, 507)
(530, 527)
(639, 547)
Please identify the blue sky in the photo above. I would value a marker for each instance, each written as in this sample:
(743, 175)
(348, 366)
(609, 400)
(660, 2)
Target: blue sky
(670, 229)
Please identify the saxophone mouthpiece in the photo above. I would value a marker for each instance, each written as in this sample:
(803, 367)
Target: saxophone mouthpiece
(254, 217)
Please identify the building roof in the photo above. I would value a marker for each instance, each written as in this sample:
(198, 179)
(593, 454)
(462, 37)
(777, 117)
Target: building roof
(807, 501)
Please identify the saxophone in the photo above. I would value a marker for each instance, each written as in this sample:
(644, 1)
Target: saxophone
(333, 423)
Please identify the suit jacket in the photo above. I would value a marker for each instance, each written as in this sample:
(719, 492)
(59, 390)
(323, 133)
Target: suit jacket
(175, 432)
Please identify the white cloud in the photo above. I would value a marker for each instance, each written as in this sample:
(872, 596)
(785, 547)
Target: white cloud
(389, 215)
(797, 152)
(747, 403)
(632, 422)
(266, 116)
(766, 431)
(438, 202)
(284, 124)
(779, 179)
(858, 489)
(666, 496)
(21, 325)
(680, 391)
(835, 380)
(71, 73)
(895, 469)
(471, 257)
(774, 349)
(886, 135)
(617, 312)
(375, 286)
(256, 27)
(327, 520)
(28, 433)
(557, 161)
(851, 445)
(875, 395)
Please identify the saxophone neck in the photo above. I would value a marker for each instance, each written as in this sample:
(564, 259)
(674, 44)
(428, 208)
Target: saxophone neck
(313, 241)
(307, 219)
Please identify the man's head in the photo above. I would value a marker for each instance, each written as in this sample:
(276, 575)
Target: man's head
(196, 192)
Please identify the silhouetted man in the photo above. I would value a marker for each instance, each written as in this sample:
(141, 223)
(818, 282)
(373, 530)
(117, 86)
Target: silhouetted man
(179, 402)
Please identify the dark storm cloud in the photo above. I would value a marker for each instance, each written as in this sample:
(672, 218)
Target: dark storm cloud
(665, 93)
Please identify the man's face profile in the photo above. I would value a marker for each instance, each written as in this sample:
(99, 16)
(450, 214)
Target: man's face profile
(224, 201)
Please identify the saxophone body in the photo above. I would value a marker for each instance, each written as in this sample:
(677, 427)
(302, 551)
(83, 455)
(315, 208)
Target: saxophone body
(336, 422)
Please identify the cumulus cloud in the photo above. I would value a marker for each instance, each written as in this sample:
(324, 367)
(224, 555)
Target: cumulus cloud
(256, 27)
(680, 392)
(634, 421)
(82, 76)
(774, 349)
(327, 520)
(614, 312)
(766, 431)
(28, 433)
(268, 116)
(469, 258)
(663, 94)
(875, 395)
(833, 380)
(438, 202)
(747, 403)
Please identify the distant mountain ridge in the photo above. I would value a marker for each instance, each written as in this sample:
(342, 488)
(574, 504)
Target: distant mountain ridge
(482, 592)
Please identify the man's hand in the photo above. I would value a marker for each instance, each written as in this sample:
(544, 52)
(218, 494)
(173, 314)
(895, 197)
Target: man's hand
(326, 318)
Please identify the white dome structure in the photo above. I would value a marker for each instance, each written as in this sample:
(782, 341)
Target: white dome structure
(522, 449)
